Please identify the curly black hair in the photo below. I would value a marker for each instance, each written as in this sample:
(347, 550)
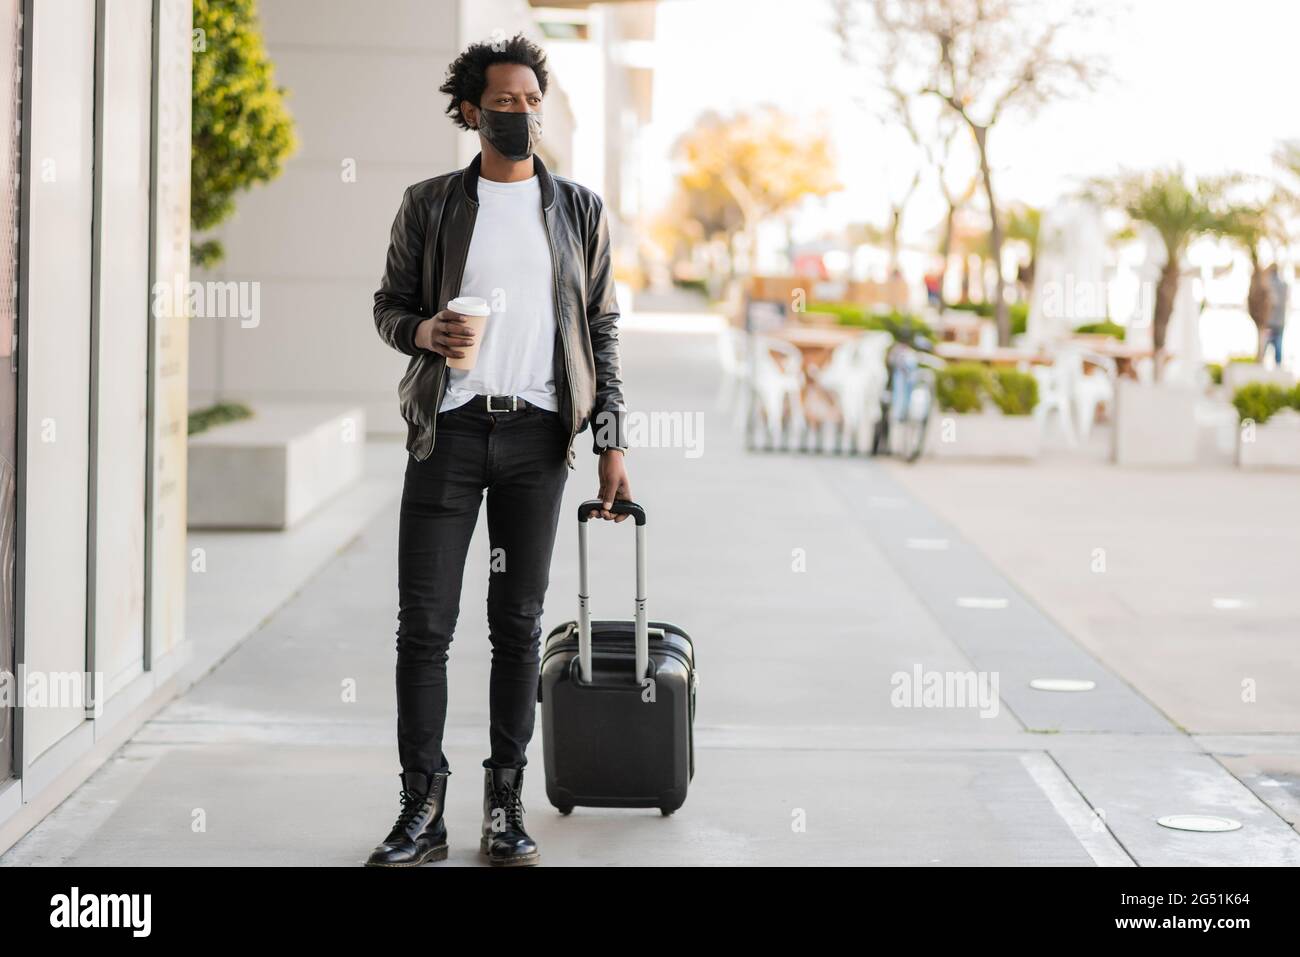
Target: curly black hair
(467, 75)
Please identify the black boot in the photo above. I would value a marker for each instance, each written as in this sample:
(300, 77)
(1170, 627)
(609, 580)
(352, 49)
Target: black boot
(419, 836)
(505, 842)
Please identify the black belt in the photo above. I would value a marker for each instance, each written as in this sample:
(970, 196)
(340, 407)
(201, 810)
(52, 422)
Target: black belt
(501, 403)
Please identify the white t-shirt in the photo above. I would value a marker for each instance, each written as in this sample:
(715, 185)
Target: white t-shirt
(509, 265)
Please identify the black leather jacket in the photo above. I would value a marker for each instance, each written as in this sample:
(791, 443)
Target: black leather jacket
(426, 258)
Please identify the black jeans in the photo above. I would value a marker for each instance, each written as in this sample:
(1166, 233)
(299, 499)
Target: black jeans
(519, 458)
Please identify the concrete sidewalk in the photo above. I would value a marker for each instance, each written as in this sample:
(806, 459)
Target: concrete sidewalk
(808, 583)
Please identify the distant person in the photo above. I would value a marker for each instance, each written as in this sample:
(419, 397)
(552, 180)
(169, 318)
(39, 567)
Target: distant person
(933, 292)
(1277, 316)
(536, 247)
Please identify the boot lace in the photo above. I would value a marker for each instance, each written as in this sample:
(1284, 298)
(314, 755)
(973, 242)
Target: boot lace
(511, 801)
(412, 805)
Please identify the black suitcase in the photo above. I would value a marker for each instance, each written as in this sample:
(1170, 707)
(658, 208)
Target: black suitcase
(610, 740)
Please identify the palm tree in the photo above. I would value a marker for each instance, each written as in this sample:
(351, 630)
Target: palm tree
(1178, 212)
(1287, 156)
(1250, 225)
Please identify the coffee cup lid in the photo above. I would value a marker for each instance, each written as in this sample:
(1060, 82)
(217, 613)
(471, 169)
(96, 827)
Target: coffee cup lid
(469, 306)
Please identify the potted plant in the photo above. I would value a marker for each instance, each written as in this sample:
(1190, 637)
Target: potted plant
(1156, 424)
(984, 413)
(1242, 370)
(1268, 435)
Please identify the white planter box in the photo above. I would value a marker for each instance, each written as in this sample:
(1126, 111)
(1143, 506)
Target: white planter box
(1237, 374)
(1155, 424)
(271, 470)
(983, 435)
(1273, 445)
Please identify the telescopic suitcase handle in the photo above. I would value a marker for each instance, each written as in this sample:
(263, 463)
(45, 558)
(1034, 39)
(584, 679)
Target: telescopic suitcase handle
(619, 507)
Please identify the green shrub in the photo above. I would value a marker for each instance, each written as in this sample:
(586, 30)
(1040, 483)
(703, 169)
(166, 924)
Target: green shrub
(241, 131)
(1019, 315)
(203, 419)
(962, 387)
(1106, 328)
(700, 286)
(903, 326)
(848, 313)
(1261, 400)
(1015, 392)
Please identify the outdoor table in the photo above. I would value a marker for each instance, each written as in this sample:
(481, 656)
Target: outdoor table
(815, 345)
(998, 355)
(814, 339)
(1125, 355)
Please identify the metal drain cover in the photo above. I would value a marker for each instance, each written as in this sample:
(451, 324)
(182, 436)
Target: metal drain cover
(1062, 684)
(1198, 822)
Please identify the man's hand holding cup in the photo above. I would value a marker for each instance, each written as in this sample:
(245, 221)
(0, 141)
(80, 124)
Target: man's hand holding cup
(456, 332)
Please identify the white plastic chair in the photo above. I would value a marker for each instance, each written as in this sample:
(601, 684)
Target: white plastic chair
(872, 351)
(1054, 395)
(1091, 391)
(854, 377)
(733, 360)
(778, 384)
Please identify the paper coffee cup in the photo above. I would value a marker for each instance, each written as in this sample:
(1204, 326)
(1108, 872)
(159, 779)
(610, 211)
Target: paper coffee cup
(476, 312)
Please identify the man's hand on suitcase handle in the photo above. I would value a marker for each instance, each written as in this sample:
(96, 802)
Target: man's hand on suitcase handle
(613, 484)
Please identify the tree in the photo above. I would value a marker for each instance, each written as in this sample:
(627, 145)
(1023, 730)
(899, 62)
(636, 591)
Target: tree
(941, 155)
(1254, 215)
(936, 134)
(937, 152)
(241, 130)
(742, 170)
(1287, 156)
(983, 59)
(1178, 212)
(894, 227)
(1023, 222)
(1252, 225)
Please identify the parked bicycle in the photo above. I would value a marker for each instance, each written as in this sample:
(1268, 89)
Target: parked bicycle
(908, 399)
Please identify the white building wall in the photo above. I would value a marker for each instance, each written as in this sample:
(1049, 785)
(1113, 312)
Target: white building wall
(121, 345)
(92, 480)
(56, 437)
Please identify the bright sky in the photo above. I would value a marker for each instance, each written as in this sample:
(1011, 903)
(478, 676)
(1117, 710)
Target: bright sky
(1208, 83)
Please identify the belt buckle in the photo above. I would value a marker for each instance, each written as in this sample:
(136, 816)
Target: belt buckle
(514, 405)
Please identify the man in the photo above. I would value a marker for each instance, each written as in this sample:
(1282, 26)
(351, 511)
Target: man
(536, 247)
(1277, 315)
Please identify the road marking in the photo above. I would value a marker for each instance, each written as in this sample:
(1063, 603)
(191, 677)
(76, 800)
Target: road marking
(1088, 827)
(1198, 822)
(928, 544)
(1062, 684)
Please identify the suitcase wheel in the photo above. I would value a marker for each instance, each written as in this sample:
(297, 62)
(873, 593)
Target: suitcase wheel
(566, 811)
(663, 810)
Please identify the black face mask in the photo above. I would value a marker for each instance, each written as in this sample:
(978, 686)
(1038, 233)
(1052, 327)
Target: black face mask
(514, 135)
